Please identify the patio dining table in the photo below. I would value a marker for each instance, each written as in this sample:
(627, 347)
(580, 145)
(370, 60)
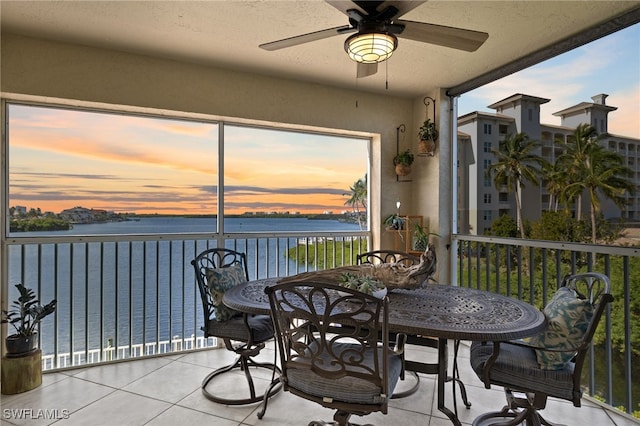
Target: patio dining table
(437, 310)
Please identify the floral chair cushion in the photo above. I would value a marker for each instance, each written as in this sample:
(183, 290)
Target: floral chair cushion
(568, 317)
(220, 280)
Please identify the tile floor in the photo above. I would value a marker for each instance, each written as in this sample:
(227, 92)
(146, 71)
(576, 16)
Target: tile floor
(166, 391)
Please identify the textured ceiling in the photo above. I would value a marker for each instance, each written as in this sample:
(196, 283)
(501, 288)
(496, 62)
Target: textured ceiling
(227, 34)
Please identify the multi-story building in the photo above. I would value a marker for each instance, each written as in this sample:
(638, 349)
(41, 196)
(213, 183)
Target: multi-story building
(480, 203)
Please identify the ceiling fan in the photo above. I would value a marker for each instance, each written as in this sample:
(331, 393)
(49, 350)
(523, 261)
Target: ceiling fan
(377, 28)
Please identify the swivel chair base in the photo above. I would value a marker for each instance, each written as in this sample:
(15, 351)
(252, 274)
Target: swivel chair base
(341, 418)
(244, 363)
(411, 390)
(519, 409)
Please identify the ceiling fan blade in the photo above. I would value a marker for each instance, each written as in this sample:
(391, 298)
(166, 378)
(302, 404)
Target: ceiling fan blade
(456, 38)
(306, 38)
(365, 70)
(368, 7)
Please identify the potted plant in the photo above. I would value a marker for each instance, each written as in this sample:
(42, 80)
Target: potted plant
(427, 134)
(394, 222)
(403, 162)
(25, 316)
(421, 238)
(365, 284)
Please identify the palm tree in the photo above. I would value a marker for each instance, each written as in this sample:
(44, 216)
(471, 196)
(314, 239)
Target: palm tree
(572, 160)
(603, 173)
(358, 197)
(516, 162)
(555, 179)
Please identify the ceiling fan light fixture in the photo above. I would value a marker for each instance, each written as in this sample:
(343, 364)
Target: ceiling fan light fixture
(370, 48)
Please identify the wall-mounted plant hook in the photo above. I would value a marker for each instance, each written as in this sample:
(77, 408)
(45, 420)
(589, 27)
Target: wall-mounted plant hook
(403, 160)
(428, 134)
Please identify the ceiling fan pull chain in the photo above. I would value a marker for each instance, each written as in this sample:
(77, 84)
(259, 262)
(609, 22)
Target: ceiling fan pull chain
(386, 76)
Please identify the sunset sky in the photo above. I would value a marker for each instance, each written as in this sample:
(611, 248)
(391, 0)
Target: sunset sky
(62, 158)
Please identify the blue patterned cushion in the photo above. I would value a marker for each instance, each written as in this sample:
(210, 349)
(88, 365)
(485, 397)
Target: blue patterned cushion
(568, 317)
(348, 388)
(220, 280)
(518, 368)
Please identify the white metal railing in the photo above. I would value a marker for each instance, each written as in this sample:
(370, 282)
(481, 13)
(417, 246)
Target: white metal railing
(531, 270)
(121, 297)
(111, 353)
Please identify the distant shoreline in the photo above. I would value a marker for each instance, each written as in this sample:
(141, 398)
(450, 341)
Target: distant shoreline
(310, 216)
(160, 223)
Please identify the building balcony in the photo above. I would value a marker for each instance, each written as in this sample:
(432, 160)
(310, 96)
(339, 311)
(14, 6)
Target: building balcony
(124, 346)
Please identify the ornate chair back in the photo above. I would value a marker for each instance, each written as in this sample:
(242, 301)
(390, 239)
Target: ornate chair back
(334, 347)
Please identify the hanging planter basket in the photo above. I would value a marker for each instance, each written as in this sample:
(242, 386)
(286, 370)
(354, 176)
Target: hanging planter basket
(403, 161)
(428, 133)
(402, 170)
(426, 148)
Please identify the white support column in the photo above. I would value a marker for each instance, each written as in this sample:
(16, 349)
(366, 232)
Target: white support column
(446, 193)
(453, 248)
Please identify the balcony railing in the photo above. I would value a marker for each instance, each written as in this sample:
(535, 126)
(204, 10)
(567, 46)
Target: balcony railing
(531, 271)
(121, 297)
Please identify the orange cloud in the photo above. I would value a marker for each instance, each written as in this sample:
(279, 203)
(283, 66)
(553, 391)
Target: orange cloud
(625, 121)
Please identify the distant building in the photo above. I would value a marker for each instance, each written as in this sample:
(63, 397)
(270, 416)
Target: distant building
(480, 203)
(78, 215)
(19, 211)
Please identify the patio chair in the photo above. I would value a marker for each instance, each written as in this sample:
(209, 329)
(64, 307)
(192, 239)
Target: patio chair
(550, 363)
(334, 347)
(408, 259)
(394, 256)
(387, 256)
(217, 270)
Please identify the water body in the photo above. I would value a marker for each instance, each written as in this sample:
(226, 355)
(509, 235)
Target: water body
(134, 292)
(168, 224)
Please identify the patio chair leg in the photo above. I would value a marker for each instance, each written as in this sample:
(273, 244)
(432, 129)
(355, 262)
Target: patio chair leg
(487, 419)
(456, 380)
(521, 410)
(244, 363)
(274, 388)
(409, 391)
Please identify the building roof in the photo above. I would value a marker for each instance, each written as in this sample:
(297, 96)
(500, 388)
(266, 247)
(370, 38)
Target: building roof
(476, 115)
(581, 107)
(517, 98)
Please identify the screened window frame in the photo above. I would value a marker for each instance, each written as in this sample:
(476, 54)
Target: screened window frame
(142, 112)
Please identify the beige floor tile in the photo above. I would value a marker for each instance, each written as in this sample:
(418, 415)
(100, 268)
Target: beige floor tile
(286, 409)
(46, 404)
(211, 358)
(122, 373)
(119, 408)
(622, 419)
(183, 416)
(166, 391)
(170, 383)
(197, 401)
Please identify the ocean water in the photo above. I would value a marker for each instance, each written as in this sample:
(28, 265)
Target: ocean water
(122, 293)
(165, 224)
